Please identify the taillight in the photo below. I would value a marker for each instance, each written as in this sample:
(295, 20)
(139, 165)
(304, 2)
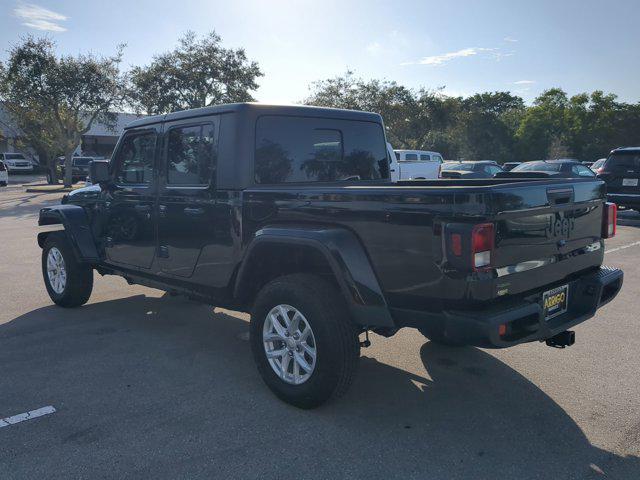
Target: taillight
(482, 242)
(609, 220)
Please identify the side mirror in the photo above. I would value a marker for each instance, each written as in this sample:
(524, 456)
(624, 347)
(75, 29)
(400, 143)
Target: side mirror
(99, 171)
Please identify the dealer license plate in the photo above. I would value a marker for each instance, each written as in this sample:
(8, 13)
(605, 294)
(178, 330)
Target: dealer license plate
(555, 302)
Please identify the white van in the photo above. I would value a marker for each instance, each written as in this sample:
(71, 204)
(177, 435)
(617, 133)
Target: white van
(415, 165)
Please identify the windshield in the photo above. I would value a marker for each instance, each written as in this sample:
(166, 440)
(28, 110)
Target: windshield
(537, 167)
(14, 156)
(457, 166)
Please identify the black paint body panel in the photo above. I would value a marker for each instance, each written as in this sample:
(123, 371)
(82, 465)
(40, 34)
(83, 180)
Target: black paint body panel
(384, 243)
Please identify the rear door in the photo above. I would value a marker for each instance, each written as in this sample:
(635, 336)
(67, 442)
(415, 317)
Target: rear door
(187, 196)
(621, 172)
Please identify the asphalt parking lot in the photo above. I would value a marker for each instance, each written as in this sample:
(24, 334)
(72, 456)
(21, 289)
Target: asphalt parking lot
(151, 386)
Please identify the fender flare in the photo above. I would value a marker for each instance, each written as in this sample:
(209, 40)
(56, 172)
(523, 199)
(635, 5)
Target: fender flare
(347, 259)
(76, 228)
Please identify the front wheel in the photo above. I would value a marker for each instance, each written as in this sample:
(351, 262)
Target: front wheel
(303, 341)
(69, 283)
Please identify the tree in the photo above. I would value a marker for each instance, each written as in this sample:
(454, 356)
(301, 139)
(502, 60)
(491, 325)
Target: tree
(199, 72)
(74, 91)
(394, 102)
(37, 130)
(542, 124)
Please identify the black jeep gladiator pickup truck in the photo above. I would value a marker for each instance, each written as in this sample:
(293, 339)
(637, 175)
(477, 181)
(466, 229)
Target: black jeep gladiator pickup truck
(288, 213)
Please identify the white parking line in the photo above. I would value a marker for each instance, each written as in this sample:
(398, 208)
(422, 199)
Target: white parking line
(622, 247)
(21, 417)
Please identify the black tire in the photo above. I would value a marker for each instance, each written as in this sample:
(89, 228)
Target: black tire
(439, 338)
(79, 276)
(3, 184)
(336, 339)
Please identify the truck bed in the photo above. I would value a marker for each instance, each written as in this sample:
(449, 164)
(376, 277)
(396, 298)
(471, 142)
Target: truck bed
(552, 226)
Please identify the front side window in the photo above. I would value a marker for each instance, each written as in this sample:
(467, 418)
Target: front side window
(303, 149)
(437, 158)
(191, 155)
(425, 158)
(135, 158)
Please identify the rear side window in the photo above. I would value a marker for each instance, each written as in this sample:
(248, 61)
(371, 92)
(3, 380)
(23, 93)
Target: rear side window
(623, 160)
(302, 149)
(425, 158)
(410, 157)
(134, 160)
(192, 155)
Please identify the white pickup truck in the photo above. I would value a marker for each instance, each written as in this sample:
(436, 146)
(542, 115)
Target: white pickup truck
(414, 164)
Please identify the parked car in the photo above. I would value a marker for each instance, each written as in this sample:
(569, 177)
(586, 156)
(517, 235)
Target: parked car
(597, 165)
(16, 163)
(468, 170)
(587, 164)
(416, 164)
(566, 168)
(508, 166)
(4, 175)
(287, 212)
(621, 173)
(79, 169)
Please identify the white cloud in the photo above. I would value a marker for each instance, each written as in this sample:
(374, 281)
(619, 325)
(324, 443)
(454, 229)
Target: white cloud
(374, 48)
(437, 60)
(524, 82)
(40, 18)
(510, 39)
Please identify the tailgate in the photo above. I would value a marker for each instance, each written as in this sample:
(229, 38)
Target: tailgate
(554, 224)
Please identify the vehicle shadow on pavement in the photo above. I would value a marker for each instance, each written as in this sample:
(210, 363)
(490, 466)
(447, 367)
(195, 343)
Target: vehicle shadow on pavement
(628, 218)
(149, 387)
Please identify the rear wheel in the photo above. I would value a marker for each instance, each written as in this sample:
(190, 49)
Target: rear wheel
(303, 341)
(69, 283)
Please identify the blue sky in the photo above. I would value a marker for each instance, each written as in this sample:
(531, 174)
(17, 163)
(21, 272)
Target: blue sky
(464, 46)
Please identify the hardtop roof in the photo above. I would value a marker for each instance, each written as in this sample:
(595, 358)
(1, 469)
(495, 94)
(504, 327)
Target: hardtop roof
(258, 109)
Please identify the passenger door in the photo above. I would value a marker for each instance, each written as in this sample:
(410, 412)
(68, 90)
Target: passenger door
(186, 202)
(129, 228)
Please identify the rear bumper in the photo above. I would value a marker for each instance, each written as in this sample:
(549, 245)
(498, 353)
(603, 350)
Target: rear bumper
(524, 320)
(624, 199)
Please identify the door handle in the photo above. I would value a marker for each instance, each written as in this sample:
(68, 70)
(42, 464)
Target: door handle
(194, 211)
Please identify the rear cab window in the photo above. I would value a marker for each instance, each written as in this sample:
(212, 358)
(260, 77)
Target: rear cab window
(292, 149)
